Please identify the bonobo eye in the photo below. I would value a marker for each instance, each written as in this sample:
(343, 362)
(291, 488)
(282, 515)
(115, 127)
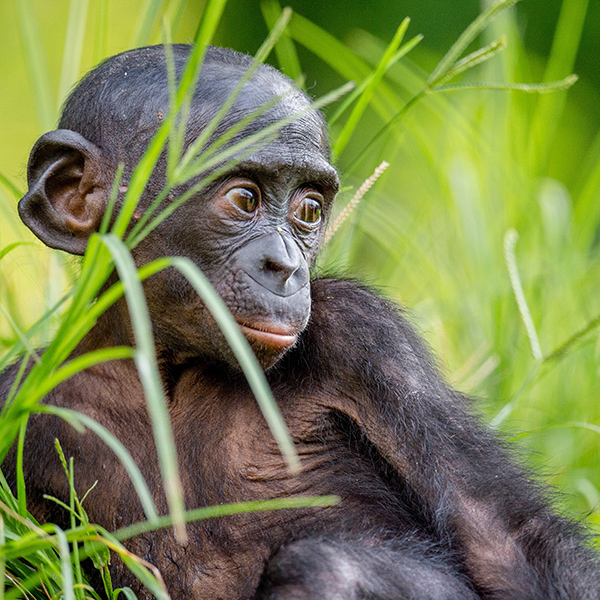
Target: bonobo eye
(309, 210)
(243, 198)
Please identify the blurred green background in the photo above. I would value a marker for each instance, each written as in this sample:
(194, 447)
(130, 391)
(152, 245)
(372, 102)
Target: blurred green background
(466, 168)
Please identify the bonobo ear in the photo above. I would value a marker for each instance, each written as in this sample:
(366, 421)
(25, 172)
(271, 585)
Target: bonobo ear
(67, 193)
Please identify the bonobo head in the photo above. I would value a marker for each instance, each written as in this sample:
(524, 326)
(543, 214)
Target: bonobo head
(254, 231)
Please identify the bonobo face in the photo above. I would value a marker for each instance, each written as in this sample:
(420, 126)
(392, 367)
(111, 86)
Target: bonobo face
(254, 231)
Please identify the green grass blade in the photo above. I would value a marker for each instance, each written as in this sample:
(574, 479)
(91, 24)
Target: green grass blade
(261, 55)
(37, 66)
(96, 268)
(473, 59)
(112, 199)
(12, 246)
(364, 99)
(175, 14)
(80, 420)
(387, 127)
(468, 35)
(234, 130)
(127, 592)
(177, 132)
(65, 564)
(143, 30)
(208, 24)
(263, 136)
(2, 559)
(101, 31)
(145, 167)
(567, 38)
(576, 338)
(21, 489)
(360, 88)
(342, 60)
(20, 334)
(146, 363)
(287, 57)
(16, 383)
(347, 210)
(12, 188)
(206, 30)
(80, 363)
(139, 179)
(18, 347)
(510, 241)
(587, 207)
(88, 319)
(153, 582)
(528, 88)
(238, 344)
(73, 47)
(224, 510)
(328, 48)
(562, 60)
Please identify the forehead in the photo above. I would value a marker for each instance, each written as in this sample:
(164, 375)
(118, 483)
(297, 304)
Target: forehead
(267, 100)
(295, 154)
(269, 105)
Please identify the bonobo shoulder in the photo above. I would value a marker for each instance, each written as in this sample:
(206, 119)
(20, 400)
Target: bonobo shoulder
(353, 325)
(346, 306)
(350, 297)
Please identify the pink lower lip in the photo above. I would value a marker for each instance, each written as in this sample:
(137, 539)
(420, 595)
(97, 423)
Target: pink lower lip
(273, 336)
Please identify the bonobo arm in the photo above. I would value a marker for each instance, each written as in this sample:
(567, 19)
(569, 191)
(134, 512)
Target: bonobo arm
(376, 369)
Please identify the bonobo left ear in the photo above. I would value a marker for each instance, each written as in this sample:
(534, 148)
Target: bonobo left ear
(68, 191)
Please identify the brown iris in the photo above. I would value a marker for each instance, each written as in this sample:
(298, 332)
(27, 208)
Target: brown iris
(243, 198)
(309, 210)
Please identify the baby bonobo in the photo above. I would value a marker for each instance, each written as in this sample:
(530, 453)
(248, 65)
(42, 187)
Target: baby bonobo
(431, 505)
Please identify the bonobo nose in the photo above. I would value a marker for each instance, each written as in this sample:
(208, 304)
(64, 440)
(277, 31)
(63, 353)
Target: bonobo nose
(275, 262)
(283, 258)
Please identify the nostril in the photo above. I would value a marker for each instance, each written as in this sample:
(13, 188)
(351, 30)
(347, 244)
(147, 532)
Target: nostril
(284, 268)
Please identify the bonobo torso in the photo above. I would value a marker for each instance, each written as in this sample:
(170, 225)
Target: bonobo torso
(419, 515)
(226, 454)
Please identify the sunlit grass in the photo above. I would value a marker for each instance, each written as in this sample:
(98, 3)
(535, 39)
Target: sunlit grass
(466, 169)
(513, 321)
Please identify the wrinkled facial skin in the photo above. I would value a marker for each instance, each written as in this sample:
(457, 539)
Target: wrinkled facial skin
(254, 233)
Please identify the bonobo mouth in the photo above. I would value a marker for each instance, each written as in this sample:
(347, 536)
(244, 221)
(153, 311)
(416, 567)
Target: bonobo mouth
(271, 335)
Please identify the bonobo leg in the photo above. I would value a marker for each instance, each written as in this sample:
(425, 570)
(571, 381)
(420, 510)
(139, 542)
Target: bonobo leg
(326, 569)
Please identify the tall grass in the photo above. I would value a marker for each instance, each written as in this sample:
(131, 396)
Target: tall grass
(471, 173)
(514, 322)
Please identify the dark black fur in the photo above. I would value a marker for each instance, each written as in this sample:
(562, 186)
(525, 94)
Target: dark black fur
(432, 505)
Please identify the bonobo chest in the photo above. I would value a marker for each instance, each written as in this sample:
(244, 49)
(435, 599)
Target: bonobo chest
(228, 454)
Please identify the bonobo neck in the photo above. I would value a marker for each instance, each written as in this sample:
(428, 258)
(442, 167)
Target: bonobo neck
(113, 328)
